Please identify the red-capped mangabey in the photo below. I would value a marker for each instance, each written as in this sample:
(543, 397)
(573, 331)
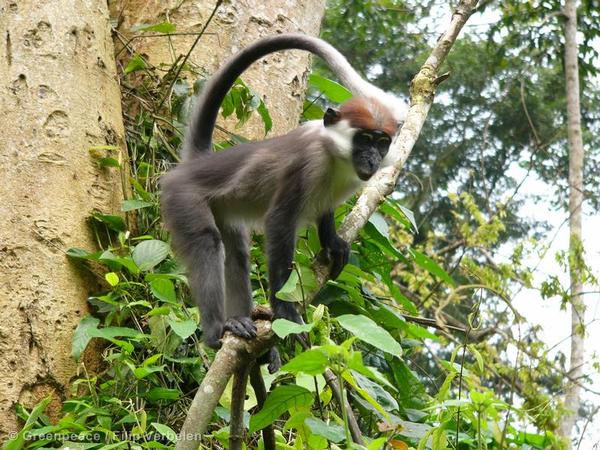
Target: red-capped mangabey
(211, 200)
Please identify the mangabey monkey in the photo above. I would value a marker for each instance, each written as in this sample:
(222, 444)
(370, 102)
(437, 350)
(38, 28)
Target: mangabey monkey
(211, 199)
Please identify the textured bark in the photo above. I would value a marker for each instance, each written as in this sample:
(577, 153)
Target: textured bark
(575, 147)
(280, 78)
(59, 97)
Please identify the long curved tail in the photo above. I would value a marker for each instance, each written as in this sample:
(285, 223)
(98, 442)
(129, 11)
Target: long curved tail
(200, 130)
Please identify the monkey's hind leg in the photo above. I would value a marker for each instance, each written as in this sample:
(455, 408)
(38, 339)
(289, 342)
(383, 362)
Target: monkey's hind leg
(238, 298)
(198, 241)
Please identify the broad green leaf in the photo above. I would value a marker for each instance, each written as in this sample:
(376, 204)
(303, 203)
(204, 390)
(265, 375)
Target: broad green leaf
(163, 289)
(80, 253)
(112, 278)
(113, 222)
(148, 254)
(165, 431)
(130, 205)
(82, 335)
(366, 330)
(431, 266)
(109, 162)
(134, 64)
(112, 332)
(265, 116)
(382, 397)
(142, 372)
(158, 393)
(348, 376)
(280, 400)
(284, 327)
(312, 111)
(110, 259)
(311, 362)
(331, 432)
(184, 328)
(332, 90)
(18, 442)
(288, 288)
(379, 222)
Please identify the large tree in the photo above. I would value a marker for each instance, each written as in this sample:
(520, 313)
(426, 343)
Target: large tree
(60, 98)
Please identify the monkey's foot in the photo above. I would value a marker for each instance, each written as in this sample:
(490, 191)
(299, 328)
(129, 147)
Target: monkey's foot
(241, 326)
(272, 359)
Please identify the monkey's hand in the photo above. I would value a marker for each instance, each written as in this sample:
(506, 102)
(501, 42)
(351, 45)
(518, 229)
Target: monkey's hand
(336, 253)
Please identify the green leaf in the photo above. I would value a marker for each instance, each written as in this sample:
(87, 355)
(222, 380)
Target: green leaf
(163, 27)
(431, 266)
(113, 222)
(158, 393)
(289, 288)
(311, 362)
(112, 332)
(109, 162)
(331, 432)
(18, 442)
(112, 278)
(80, 253)
(366, 330)
(184, 328)
(134, 64)
(131, 205)
(163, 289)
(265, 116)
(332, 90)
(383, 397)
(379, 222)
(312, 111)
(109, 258)
(284, 327)
(280, 400)
(148, 254)
(82, 336)
(165, 431)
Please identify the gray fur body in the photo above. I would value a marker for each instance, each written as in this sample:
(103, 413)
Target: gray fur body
(212, 201)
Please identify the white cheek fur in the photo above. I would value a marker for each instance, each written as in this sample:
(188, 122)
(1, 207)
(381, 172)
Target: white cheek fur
(341, 134)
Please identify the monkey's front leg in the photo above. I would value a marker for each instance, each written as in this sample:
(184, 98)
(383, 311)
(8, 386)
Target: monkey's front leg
(281, 243)
(335, 249)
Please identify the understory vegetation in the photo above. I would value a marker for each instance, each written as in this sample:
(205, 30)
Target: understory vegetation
(420, 326)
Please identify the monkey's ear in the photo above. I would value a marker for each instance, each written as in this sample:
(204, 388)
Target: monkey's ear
(331, 117)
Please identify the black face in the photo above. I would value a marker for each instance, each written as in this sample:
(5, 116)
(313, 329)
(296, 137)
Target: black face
(369, 147)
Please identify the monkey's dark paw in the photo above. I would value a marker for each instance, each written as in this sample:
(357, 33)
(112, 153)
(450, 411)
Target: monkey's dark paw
(272, 359)
(338, 253)
(212, 336)
(241, 326)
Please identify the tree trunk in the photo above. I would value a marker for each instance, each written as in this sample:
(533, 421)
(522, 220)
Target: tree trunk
(280, 78)
(575, 146)
(59, 97)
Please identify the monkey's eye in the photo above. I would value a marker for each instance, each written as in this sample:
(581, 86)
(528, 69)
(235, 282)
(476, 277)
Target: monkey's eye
(364, 139)
(383, 144)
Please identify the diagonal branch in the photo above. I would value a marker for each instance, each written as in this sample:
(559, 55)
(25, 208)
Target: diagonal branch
(235, 351)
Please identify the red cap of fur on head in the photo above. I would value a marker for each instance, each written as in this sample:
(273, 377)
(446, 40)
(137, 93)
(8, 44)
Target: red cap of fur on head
(368, 114)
